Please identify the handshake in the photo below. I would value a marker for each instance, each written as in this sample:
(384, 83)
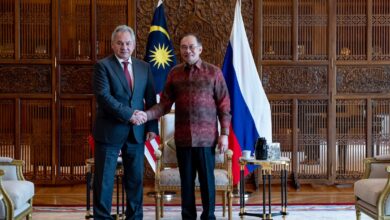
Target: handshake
(139, 117)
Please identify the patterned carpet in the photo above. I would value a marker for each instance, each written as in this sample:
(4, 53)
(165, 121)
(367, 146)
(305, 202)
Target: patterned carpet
(295, 212)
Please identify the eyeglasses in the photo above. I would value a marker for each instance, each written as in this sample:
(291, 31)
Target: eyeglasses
(191, 47)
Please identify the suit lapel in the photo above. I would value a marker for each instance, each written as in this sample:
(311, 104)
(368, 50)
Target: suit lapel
(134, 67)
(118, 71)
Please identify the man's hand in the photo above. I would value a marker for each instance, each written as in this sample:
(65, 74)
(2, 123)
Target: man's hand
(138, 117)
(223, 143)
(150, 136)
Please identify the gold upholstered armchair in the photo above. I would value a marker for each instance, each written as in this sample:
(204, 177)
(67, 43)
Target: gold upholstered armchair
(16, 193)
(167, 176)
(373, 190)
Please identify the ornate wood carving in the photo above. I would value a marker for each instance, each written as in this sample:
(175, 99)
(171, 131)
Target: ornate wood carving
(295, 79)
(76, 79)
(25, 79)
(358, 79)
(212, 20)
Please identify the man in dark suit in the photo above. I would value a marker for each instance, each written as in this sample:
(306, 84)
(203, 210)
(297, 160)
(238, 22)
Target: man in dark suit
(122, 85)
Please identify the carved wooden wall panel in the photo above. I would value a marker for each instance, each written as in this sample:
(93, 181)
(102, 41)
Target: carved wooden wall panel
(35, 29)
(7, 21)
(212, 20)
(282, 127)
(312, 28)
(25, 79)
(7, 127)
(75, 29)
(381, 126)
(106, 23)
(351, 22)
(362, 79)
(76, 79)
(36, 139)
(312, 139)
(76, 124)
(277, 24)
(381, 30)
(350, 138)
(295, 79)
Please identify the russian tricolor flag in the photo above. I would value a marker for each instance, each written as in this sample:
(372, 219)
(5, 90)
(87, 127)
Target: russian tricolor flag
(251, 113)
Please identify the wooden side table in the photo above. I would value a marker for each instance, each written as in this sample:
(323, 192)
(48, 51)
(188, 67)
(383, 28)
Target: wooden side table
(266, 169)
(90, 164)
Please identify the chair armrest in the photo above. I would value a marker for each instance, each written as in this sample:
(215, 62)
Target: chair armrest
(384, 195)
(12, 169)
(375, 167)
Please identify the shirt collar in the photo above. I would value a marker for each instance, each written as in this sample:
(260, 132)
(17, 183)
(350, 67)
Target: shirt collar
(198, 64)
(122, 60)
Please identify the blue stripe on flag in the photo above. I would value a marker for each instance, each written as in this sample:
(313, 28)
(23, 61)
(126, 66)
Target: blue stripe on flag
(242, 122)
(159, 49)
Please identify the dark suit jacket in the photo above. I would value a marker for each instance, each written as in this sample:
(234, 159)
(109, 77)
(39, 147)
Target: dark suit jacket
(116, 103)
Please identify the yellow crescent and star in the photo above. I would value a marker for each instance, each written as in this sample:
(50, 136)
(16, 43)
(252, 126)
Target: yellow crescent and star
(161, 54)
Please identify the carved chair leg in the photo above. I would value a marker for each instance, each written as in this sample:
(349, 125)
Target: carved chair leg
(224, 194)
(230, 197)
(358, 213)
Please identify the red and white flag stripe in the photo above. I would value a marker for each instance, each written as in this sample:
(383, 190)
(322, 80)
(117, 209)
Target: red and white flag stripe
(150, 147)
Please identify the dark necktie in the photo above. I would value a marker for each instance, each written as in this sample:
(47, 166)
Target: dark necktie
(127, 74)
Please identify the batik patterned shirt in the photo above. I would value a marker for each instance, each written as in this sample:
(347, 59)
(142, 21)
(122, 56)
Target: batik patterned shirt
(201, 98)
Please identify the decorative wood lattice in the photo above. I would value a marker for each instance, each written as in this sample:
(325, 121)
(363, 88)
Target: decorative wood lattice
(75, 29)
(381, 126)
(25, 79)
(277, 25)
(362, 79)
(106, 23)
(76, 79)
(212, 20)
(76, 123)
(312, 30)
(282, 126)
(350, 138)
(35, 26)
(7, 128)
(312, 139)
(7, 29)
(36, 139)
(381, 30)
(295, 79)
(351, 23)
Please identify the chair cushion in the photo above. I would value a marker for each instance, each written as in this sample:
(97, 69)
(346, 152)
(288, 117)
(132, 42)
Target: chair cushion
(19, 191)
(369, 190)
(171, 177)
